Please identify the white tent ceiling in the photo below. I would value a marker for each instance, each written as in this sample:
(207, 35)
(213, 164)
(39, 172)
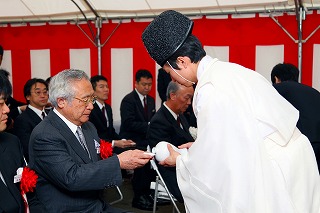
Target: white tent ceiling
(61, 10)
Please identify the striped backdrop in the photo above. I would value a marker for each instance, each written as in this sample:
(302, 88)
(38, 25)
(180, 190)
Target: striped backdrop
(254, 41)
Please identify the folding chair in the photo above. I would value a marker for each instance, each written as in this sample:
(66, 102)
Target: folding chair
(160, 183)
(120, 196)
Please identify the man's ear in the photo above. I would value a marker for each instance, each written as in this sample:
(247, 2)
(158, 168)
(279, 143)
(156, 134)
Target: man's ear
(277, 81)
(61, 102)
(183, 62)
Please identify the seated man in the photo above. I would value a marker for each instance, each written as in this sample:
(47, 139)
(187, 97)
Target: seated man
(11, 158)
(16, 107)
(170, 125)
(36, 94)
(101, 115)
(64, 151)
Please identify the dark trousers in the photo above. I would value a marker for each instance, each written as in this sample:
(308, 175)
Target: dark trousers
(141, 180)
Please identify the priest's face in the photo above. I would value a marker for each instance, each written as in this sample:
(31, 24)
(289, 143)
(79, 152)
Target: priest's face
(186, 74)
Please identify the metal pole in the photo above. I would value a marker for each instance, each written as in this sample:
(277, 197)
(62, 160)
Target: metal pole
(98, 43)
(301, 17)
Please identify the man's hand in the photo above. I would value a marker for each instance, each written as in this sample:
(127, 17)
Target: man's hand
(186, 145)
(133, 159)
(124, 143)
(171, 160)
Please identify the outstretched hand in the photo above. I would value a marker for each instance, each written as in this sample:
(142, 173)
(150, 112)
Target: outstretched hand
(124, 143)
(171, 160)
(186, 145)
(133, 159)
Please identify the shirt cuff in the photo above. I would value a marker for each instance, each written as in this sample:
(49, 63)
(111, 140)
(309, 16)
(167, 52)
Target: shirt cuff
(19, 110)
(112, 143)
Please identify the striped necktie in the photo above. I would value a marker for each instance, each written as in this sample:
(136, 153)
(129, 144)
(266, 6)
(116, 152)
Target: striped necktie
(82, 140)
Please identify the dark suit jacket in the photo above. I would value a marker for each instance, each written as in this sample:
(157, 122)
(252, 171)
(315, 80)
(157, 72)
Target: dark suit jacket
(163, 80)
(164, 127)
(69, 181)
(11, 158)
(97, 118)
(307, 100)
(134, 126)
(23, 126)
(14, 112)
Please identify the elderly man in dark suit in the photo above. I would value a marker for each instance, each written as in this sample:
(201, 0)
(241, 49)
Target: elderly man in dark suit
(136, 109)
(101, 115)
(36, 94)
(65, 151)
(170, 125)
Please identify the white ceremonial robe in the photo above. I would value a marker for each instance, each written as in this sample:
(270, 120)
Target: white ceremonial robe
(248, 157)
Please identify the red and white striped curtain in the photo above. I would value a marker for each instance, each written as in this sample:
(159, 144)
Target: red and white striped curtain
(254, 41)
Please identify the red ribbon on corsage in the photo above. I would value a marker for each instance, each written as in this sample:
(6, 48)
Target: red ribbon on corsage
(28, 180)
(106, 149)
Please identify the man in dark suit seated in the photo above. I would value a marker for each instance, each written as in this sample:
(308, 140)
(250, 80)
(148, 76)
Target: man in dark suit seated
(136, 110)
(304, 98)
(101, 115)
(16, 107)
(64, 151)
(11, 158)
(36, 94)
(170, 125)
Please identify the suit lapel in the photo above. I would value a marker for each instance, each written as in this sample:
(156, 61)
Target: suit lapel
(6, 175)
(33, 116)
(139, 104)
(98, 114)
(172, 120)
(66, 132)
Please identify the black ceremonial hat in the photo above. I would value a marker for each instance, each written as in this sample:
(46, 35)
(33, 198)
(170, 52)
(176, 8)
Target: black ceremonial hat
(165, 35)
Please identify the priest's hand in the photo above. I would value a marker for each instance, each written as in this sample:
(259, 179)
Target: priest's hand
(171, 160)
(186, 145)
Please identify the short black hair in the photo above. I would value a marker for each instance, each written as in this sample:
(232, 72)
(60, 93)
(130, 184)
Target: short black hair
(285, 72)
(28, 85)
(4, 72)
(191, 48)
(5, 86)
(1, 50)
(95, 79)
(142, 73)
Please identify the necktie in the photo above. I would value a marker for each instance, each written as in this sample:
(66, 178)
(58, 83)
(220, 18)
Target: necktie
(103, 109)
(82, 140)
(43, 115)
(145, 106)
(179, 121)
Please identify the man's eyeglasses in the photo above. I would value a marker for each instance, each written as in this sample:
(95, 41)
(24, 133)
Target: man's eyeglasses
(88, 100)
(38, 92)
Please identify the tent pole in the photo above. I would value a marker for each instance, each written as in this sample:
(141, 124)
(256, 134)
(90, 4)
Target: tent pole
(98, 43)
(301, 18)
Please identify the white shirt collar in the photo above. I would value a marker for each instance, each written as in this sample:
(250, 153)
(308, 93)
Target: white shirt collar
(37, 111)
(172, 113)
(140, 96)
(100, 105)
(71, 125)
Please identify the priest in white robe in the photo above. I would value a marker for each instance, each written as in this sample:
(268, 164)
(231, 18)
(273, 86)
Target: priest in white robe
(248, 156)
